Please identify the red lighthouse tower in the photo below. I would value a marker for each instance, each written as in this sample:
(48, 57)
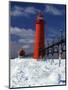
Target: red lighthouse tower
(39, 38)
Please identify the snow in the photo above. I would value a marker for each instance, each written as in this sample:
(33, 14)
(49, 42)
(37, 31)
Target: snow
(29, 72)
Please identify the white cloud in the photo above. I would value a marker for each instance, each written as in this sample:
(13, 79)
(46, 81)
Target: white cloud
(26, 46)
(26, 40)
(52, 10)
(22, 32)
(31, 10)
(15, 30)
(20, 11)
(17, 11)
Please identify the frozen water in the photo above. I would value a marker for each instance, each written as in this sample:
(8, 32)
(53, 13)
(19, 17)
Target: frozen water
(29, 72)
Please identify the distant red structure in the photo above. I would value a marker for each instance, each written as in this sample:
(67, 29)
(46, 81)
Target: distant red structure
(39, 37)
(21, 53)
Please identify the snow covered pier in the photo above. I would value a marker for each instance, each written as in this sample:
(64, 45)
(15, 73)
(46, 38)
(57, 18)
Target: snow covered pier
(29, 72)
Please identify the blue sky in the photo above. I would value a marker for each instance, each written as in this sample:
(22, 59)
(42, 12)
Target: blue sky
(22, 24)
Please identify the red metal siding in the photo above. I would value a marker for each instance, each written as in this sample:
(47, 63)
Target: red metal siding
(39, 39)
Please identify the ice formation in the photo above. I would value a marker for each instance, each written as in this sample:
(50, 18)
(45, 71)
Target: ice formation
(27, 72)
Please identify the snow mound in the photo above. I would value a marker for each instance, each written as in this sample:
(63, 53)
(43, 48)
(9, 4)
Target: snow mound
(29, 72)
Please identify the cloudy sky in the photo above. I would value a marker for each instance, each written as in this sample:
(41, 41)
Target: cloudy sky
(23, 20)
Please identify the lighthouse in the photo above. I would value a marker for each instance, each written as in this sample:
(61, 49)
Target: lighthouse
(39, 44)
